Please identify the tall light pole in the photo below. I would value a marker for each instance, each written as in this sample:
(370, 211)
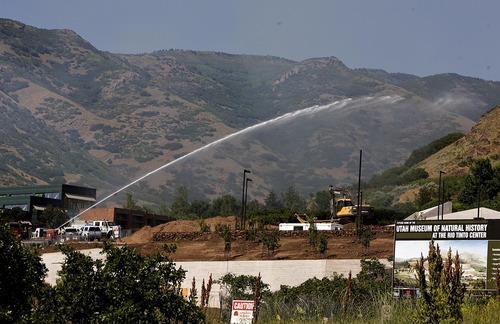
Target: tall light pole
(360, 220)
(246, 198)
(479, 191)
(443, 202)
(439, 195)
(245, 171)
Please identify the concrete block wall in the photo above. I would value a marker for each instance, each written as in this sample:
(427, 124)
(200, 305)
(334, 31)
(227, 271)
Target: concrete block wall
(273, 272)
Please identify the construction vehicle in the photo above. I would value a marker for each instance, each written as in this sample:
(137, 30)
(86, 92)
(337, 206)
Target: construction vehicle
(343, 209)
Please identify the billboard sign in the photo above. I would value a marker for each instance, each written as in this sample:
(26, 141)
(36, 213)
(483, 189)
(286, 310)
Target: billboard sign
(477, 242)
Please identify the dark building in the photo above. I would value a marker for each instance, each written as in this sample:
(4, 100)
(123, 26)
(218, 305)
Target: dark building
(34, 199)
(76, 201)
(126, 218)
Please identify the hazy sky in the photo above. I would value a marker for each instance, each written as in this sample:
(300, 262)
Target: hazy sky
(422, 37)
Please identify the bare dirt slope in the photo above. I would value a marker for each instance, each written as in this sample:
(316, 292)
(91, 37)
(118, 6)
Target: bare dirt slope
(192, 245)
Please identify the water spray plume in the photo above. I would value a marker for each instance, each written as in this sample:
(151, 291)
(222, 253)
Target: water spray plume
(306, 111)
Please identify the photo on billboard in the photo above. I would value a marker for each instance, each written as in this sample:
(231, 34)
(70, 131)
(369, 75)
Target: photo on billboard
(476, 241)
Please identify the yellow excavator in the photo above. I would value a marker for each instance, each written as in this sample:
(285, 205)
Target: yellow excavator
(343, 209)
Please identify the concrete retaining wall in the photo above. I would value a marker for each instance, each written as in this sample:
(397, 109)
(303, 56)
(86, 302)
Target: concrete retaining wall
(273, 272)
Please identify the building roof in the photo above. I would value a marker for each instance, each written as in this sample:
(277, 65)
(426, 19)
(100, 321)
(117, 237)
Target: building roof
(485, 213)
(106, 214)
(431, 213)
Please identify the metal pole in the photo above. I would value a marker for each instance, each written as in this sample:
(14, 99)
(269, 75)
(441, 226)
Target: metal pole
(479, 192)
(245, 209)
(444, 200)
(439, 193)
(245, 171)
(359, 187)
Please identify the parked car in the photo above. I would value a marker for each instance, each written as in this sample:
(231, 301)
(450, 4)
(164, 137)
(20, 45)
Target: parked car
(70, 233)
(91, 233)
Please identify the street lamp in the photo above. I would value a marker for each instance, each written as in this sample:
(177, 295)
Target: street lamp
(245, 171)
(439, 195)
(359, 219)
(479, 191)
(246, 197)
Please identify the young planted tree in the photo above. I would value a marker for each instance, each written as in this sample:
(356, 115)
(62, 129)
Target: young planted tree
(225, 232)
(317, 240)
(271, 241)
(367, 235)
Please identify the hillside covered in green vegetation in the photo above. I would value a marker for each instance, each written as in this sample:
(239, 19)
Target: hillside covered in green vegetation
(75, 114)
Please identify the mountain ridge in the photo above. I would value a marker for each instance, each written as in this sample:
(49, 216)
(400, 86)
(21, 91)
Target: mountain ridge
(130, 114)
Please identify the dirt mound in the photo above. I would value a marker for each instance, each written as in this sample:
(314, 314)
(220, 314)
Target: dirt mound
(145, 234)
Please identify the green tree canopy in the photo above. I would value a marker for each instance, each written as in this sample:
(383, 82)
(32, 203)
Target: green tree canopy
(272, 201)
(131, 204)
(21, 277)
(483, 179)
(52, 217)
(180, 203)
(200, 208)
(225, 205)
(125, 288)
(292, 200)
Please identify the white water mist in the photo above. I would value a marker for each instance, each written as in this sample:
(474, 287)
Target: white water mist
(346, 103)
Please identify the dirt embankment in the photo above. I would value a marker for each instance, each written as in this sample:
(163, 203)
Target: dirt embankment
(193, 245)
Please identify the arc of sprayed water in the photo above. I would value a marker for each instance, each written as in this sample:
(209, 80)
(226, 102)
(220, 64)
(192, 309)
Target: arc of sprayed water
(316, 108)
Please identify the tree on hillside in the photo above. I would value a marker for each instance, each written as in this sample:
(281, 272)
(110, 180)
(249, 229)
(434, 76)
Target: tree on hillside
(424, 152)
(426, 194)
(322, 199)
(225, 205)
(180, 203)
(253, 206)
(292, 200)
(483, 179)
(200, 208)
(131, 204)
(272, 202)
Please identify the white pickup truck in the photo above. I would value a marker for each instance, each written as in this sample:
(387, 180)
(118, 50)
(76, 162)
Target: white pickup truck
(91, 233)
(108, 229)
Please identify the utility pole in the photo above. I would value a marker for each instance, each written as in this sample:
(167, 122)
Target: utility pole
(360, 221)
(479, 191)
(439, 195)
(245, 171)
(246, 198)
